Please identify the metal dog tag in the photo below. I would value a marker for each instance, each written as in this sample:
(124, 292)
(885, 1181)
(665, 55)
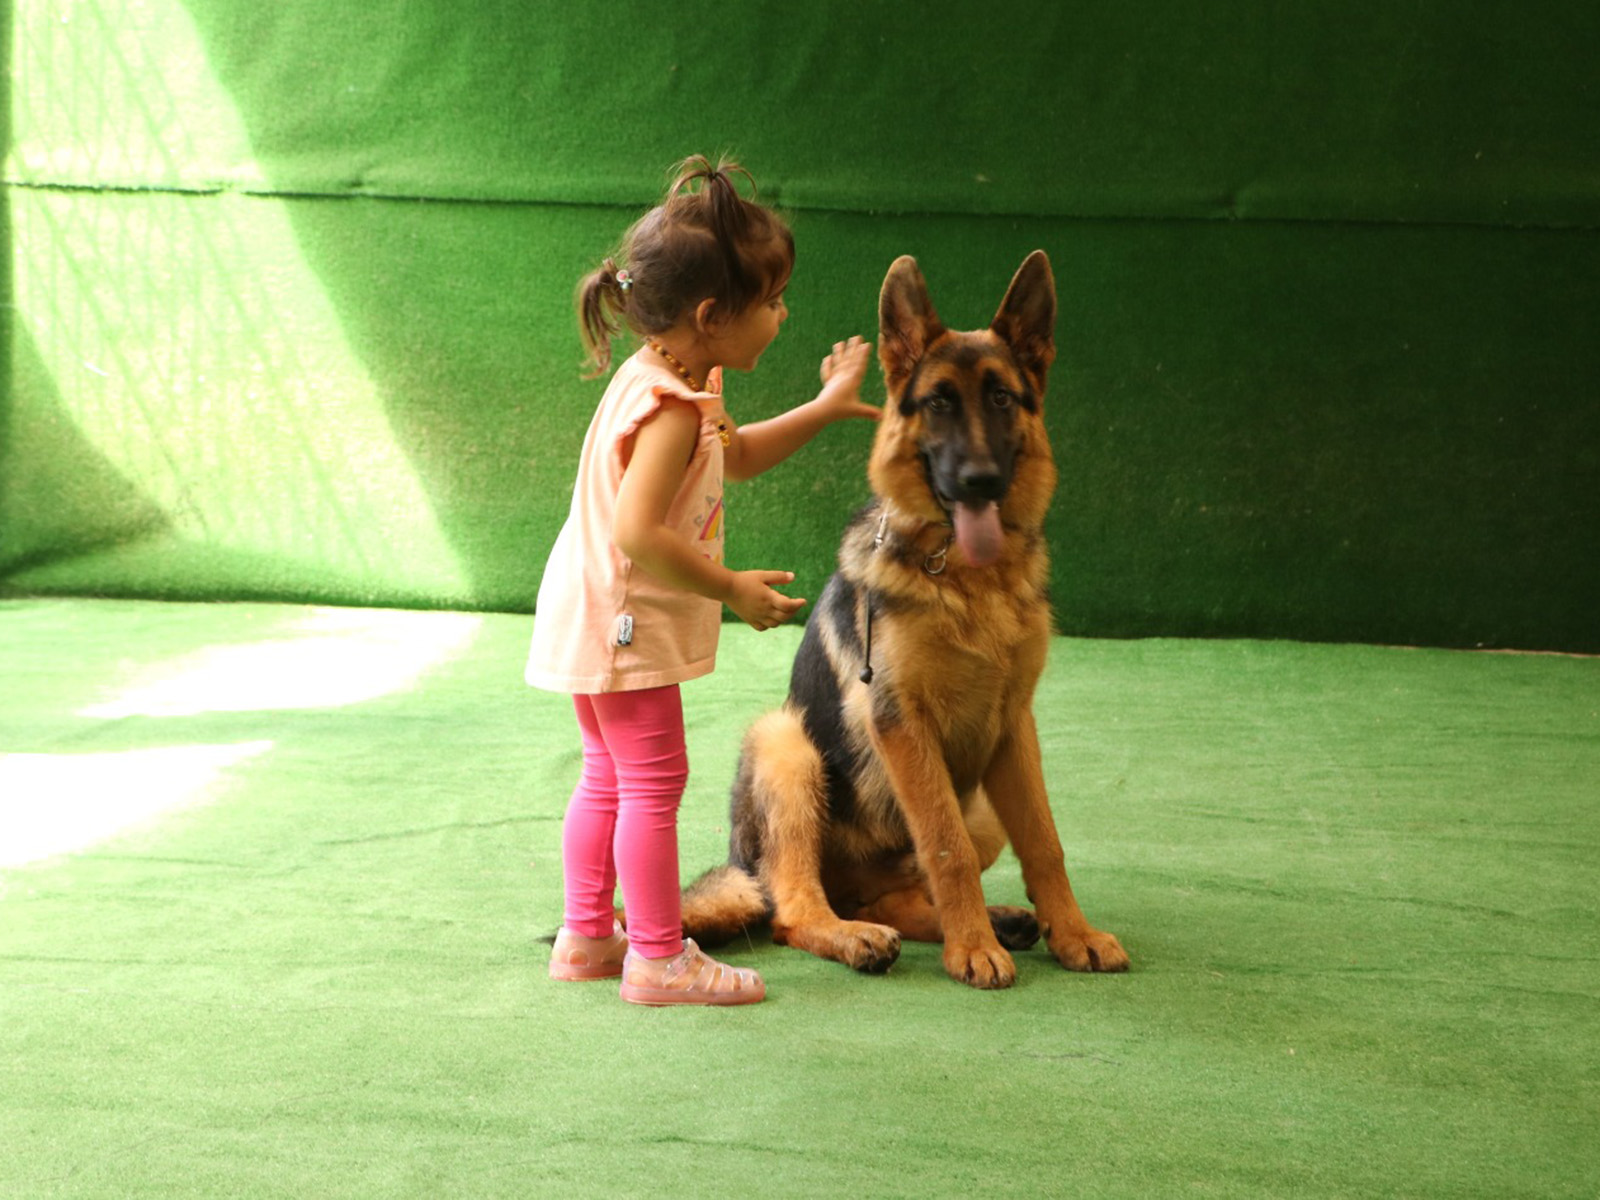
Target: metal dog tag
(625, 630)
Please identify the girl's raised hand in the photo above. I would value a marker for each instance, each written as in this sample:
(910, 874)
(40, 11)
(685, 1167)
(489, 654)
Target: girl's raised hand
(842, 373)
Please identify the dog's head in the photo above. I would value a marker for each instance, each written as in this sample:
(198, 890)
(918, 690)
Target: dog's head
(962, 438)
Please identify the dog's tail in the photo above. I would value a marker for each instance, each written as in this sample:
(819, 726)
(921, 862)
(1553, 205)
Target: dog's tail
(722, 904)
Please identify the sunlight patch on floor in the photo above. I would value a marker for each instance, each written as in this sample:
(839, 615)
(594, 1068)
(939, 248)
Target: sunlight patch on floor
(54, 804)
(333, 658)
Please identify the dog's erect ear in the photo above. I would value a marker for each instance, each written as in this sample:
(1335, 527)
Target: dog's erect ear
(1027, 318)
(907, 324)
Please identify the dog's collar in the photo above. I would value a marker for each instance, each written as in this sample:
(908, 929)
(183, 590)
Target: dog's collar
(933, 562)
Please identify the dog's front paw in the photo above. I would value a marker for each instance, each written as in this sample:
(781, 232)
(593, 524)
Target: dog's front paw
(980, 966)
(1088, 950)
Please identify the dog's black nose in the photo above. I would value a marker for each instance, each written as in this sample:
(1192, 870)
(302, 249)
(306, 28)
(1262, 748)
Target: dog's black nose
(981, 483)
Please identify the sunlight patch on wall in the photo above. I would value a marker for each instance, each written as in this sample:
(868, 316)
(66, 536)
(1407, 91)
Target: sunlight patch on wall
(333, 658)
(190, 341)
(134, 101)
(54, 804)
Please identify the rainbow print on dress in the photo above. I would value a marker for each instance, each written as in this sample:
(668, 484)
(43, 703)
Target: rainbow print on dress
(711, 528)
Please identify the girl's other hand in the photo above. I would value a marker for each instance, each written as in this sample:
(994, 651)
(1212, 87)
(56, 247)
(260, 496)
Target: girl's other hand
(842, 373)
(753, 600)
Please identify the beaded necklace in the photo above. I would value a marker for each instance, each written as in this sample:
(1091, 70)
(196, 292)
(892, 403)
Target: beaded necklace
(672, 361)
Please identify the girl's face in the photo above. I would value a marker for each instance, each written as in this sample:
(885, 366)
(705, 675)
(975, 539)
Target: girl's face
(739, 343)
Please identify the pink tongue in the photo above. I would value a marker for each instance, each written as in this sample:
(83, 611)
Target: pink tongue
(978, 532)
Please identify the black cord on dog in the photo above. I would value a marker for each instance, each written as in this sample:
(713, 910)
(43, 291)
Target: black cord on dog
(866, 673)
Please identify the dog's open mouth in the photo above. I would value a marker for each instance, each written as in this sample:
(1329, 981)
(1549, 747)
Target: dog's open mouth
(978, 531)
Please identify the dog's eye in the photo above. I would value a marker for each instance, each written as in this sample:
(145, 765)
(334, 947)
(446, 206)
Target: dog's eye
(938, 402)
(1001, 399)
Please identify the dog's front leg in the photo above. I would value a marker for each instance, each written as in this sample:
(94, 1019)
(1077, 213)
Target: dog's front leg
(921, 783)
(1014, 784)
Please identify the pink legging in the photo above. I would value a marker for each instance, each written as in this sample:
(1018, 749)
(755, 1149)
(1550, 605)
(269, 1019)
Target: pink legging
(622, 819)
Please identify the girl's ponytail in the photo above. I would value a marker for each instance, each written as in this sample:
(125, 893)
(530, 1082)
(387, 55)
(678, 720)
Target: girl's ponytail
(598, 291)
(729, 218)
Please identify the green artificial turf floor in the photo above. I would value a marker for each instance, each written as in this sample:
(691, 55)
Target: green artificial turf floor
(272, 881)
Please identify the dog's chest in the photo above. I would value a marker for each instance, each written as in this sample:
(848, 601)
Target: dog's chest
(987, 629)
(963, 684)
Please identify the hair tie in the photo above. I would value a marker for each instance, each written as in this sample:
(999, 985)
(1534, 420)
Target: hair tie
(624, 281)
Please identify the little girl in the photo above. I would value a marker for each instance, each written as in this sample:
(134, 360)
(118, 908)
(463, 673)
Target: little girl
(632, 595)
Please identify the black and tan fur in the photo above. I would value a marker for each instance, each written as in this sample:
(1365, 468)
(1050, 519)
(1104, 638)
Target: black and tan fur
(865, 812)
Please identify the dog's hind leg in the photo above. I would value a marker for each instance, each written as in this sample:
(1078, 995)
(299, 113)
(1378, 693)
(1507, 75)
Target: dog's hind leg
(910, 910)
(1016, 928)
(789, 789)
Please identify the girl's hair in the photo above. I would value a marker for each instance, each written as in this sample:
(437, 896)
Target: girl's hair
(701, 242)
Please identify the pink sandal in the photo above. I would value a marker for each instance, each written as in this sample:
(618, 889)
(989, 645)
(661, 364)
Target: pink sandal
(689, 977)
(577, 957)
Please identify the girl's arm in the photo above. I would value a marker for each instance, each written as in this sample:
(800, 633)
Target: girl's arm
(755, 448)
(662, 447)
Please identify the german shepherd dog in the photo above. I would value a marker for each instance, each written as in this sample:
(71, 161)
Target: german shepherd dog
(866, 808)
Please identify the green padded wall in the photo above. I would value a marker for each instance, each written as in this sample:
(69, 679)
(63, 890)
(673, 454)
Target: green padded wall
(287, 296)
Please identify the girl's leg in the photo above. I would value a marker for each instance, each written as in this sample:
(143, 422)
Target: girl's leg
(589, 873)
(643, 732)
